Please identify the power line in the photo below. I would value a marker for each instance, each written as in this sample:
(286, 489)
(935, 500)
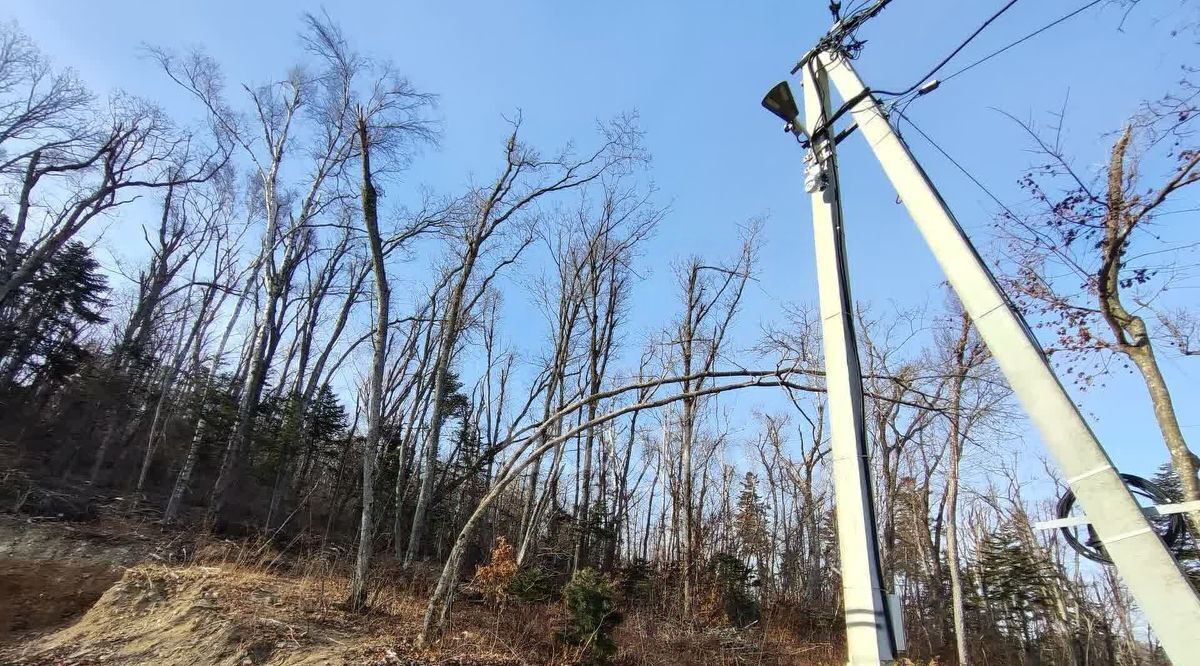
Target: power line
(1008, 211)
(902, 102)
(961, 168)
(953, 53)
(854, 9)
(1031, 35)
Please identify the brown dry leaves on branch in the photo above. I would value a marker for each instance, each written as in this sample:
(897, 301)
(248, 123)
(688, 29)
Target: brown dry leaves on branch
(492, 579)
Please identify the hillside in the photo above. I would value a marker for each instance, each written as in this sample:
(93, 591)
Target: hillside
(109, 593)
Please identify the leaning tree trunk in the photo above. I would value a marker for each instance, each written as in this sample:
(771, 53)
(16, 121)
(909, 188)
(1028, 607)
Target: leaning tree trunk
(251, 392)
(184, 478)
(449, 337)
(165, 387)
(1182, 459)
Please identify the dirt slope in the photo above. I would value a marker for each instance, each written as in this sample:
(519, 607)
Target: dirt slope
(173, 616)
(74, 595)
(46, 594)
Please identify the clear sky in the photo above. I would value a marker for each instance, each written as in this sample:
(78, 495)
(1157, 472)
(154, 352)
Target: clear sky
(695, 72)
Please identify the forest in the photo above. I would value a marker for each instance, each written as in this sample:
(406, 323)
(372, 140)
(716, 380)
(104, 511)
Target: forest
(314, 353)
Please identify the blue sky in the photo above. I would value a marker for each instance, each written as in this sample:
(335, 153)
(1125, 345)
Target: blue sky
(695, 72)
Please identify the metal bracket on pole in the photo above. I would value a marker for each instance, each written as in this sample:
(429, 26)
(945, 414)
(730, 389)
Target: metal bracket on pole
(1151, 573)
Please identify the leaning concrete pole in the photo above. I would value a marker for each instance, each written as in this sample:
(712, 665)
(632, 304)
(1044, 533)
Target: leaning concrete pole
(1152, 575)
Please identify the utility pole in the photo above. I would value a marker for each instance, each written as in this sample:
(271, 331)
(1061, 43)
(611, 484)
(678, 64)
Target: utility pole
(870, 636)
(1151, 573)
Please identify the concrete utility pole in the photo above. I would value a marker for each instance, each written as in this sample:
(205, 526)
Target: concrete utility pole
(1151, 573)
(870, 639)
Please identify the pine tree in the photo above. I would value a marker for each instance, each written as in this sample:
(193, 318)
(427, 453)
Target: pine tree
(1016, 584)
(750, 521)
(42, 324)
(1185, 548)
(751, 518)
(326, 418)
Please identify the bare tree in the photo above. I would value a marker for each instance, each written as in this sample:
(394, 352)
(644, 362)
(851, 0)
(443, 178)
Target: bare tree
(712, 294)
(561, 301)
(389, 119)
(1094, 264)
(184, 233)
(288, 223)
(73, 162)
(609, 244)
(528, 441)
(206, 386)
(966, 353)
(525, 179)
(212, 205)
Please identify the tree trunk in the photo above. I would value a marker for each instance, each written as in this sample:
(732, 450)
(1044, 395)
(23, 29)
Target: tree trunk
(184, 478)
(1130, 331)
(952, 555)
(1183, 460)
(370, 198)
(962, 356)
(449, 338)
(247, 407)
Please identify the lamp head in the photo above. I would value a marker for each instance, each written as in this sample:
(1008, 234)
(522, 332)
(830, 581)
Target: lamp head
(780, 101)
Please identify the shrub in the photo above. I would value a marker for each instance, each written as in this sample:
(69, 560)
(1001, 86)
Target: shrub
(493, 579)
(634, 579)
(534, 584)
(589, 598)
(733, 582)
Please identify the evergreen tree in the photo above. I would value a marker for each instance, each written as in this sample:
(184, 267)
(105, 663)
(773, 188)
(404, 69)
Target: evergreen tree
(42, 324)
(1016, 583)
(590, 599)
(734, 581)
(750, 522)
(1185, 548)
(326, 419)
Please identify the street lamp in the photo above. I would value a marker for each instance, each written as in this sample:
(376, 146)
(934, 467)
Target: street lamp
(780, 101)
(874, 631)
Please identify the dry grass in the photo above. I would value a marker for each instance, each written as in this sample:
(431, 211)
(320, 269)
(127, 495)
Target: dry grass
(248, 601)
(242, 602)
(647, 638)
(233, 612)
(225, 615)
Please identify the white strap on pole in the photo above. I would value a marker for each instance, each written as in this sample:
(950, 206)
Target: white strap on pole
(1150, 511)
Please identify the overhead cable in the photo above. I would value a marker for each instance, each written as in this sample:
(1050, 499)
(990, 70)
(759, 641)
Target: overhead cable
(1031, 35)
(953, 53)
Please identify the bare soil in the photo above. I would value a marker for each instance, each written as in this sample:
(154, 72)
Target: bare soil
(177, 616)
(38, 595)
